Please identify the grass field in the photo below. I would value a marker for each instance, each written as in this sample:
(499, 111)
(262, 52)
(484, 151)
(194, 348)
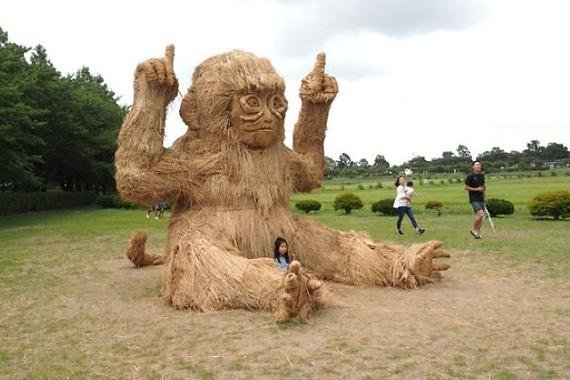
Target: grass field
(71, 306)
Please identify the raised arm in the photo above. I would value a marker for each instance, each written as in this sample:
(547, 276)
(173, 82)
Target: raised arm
(317, 93)
(141, 161)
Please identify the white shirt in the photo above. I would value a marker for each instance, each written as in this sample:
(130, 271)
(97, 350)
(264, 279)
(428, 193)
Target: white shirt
(401, 200)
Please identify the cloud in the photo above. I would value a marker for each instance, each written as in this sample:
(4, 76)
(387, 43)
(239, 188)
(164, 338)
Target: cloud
(311, 23)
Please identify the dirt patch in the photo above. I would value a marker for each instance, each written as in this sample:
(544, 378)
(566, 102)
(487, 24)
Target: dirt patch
(107, 321)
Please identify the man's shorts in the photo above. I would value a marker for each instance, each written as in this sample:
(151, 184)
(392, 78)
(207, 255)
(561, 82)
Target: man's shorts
(478, 206)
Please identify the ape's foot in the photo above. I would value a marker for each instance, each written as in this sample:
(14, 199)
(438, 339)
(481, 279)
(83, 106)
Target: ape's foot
(302, 293)
(136, 252)
(417, 267)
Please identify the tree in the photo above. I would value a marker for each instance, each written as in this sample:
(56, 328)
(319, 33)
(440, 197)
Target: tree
(55, 132)
(344, 161)
(448, 154)
(418, 163)
(330, 166)
(381, 163)
(463, 152)
(533, 147)
(363, 163)
(18, 119)
(554, 151)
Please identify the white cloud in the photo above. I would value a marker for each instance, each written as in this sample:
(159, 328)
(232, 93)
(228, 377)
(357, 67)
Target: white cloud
(307, 25)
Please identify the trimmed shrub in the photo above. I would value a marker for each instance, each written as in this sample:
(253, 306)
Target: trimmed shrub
(500, 207)
(308, 205)
(378, 185)
(347, 202)
(14, 203)
(554, 203)
(114, 201)
(435, 205)
(384, 206)
(361, 186)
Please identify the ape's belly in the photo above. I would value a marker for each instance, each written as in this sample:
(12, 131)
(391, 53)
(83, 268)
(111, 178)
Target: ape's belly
(250, 232)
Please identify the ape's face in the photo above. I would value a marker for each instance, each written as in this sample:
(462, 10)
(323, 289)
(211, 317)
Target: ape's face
(257, 118)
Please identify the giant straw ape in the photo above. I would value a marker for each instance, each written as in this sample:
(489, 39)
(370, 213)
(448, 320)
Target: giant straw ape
(229, 179)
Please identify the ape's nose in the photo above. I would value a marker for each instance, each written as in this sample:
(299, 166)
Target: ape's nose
(267, 116)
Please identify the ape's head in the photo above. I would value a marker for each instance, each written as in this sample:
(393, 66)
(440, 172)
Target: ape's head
(239, 96)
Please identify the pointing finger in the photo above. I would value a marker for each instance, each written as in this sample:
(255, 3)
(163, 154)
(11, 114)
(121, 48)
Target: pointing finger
(319, 67)
(169, 56)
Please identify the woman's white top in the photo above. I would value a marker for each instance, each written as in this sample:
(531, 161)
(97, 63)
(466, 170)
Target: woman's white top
(400, 200)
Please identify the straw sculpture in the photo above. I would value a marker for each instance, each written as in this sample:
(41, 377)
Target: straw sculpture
(230, 178)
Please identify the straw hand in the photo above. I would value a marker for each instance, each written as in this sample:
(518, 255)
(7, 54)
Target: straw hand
(155, 78)
(426, 269)
(317, 86)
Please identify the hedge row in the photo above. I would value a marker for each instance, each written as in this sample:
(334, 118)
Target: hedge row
(14, 203)
(114, 201)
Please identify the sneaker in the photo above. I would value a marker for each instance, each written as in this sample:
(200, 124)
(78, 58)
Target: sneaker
(475, 234)
(400, 232)
(156, 217)
(420, 231)
(147, 216)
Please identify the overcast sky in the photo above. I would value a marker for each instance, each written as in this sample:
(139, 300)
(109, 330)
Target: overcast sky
(416, 77)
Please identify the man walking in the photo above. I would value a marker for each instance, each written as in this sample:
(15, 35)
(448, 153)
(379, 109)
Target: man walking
(475, 185)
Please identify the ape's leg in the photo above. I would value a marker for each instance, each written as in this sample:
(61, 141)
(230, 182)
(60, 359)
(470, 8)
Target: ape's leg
(357, 260)
(202, 276)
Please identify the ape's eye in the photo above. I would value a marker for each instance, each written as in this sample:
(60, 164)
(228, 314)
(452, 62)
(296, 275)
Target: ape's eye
(250, 103)
(278, 103)
(253, 101)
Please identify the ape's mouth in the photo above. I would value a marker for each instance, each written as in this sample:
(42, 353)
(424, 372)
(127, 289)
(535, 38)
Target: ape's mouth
(258, 128)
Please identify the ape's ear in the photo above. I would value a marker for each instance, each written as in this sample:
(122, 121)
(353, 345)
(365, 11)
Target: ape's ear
(189, 110)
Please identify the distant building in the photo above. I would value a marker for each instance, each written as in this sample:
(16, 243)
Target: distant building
(549, 164)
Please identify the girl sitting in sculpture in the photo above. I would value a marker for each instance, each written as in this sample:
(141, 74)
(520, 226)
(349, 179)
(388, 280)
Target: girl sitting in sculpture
(281, 254)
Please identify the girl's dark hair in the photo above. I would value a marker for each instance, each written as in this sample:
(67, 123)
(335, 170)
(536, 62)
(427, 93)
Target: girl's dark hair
(410, 183)
(397, 183)
(278, 242)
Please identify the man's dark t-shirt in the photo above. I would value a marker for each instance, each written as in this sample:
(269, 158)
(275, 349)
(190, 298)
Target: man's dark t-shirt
(475, 180)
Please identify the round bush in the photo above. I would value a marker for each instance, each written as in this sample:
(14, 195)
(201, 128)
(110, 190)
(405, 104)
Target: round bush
(384, 206)
(500, 207)
(347, 202)
(554, 203)
(308, 205)
(435, 205)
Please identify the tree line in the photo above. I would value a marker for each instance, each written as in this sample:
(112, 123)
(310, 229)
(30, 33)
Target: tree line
(57, 132)
(534, 157)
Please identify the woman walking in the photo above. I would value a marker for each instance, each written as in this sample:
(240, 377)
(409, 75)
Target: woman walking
(402, 203)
